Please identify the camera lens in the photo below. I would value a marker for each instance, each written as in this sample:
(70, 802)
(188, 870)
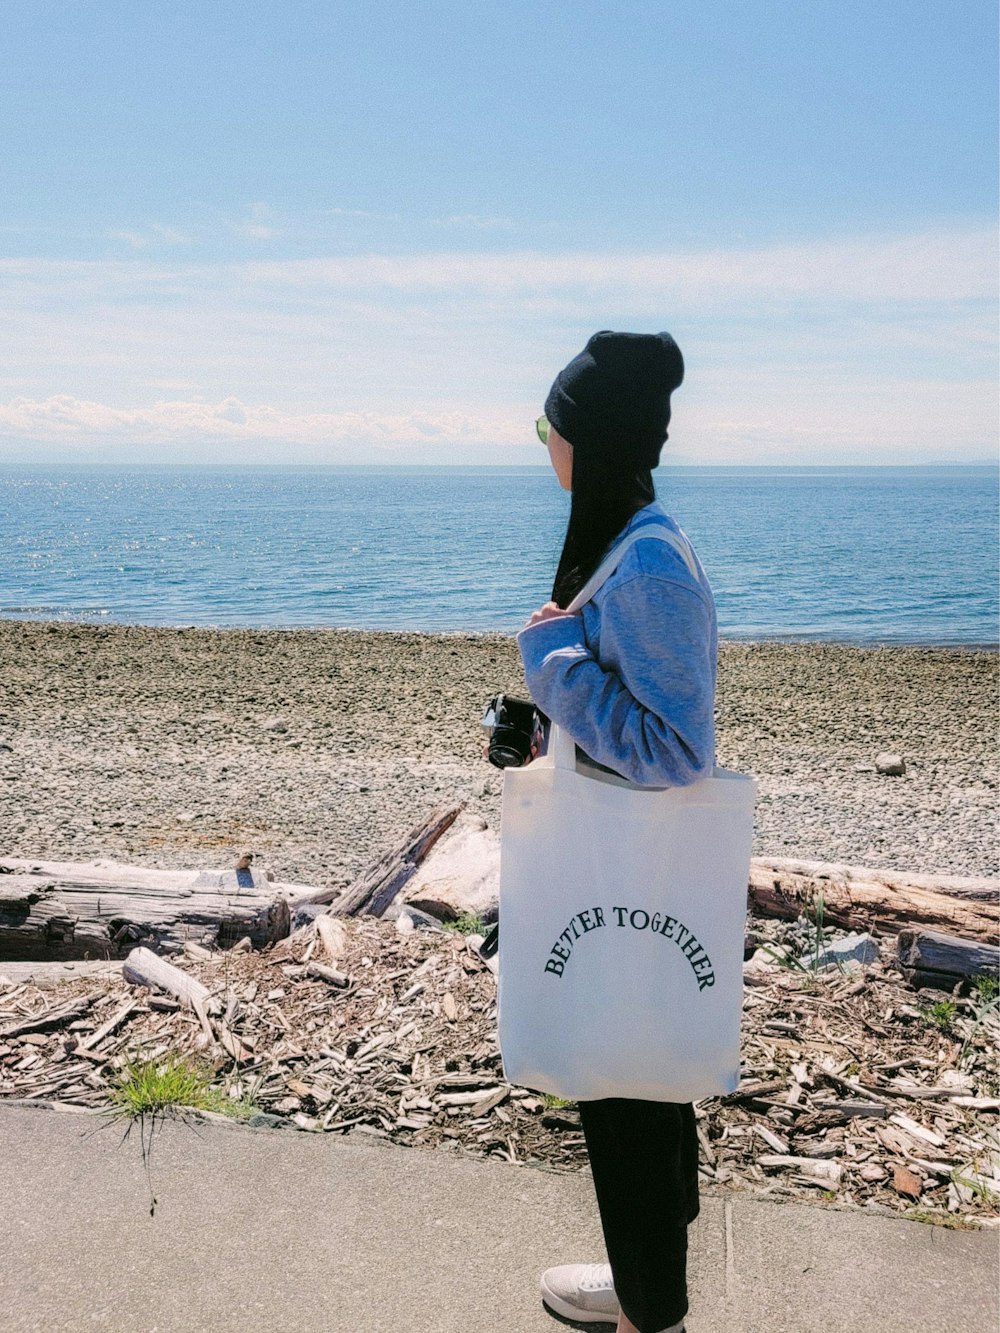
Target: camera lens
(514, 726)
(510, 749)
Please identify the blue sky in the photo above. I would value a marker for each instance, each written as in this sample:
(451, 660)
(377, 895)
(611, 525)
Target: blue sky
(373, 233)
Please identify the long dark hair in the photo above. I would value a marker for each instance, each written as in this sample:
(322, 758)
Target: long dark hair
(604, 498)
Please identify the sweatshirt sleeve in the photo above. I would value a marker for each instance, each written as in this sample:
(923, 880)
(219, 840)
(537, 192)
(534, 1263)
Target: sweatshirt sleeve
(659, 729)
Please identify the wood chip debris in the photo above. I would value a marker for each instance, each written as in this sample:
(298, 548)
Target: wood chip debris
(855, 1089)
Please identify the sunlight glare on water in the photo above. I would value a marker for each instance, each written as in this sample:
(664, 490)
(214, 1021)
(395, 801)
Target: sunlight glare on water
(892, 555)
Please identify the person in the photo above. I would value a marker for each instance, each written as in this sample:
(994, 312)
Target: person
(631, 678)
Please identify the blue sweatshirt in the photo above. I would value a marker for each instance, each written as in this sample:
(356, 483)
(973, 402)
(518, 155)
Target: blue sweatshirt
(631, 676)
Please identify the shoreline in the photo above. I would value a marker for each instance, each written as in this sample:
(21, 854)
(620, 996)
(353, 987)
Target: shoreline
(317, 748)
(795, 640)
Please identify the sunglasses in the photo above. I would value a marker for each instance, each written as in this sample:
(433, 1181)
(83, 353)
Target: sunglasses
(542, 427)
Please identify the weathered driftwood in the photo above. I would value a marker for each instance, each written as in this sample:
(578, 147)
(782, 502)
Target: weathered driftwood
(843, 1069)
(144, 968)
(51, 1018)
(332, 935)
(461, 878)
(116, 1019)
(328, 974)
(46, 975)
(54, 910)
(375, 889)
(880, 900)
(937, 958)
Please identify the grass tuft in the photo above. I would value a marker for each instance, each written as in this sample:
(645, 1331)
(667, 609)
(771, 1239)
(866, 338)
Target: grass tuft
(467, 924)
(149, 1087)
(145, 1090)
(937, 1217)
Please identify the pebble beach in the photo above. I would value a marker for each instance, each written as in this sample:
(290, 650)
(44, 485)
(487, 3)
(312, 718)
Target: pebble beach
(316, 749)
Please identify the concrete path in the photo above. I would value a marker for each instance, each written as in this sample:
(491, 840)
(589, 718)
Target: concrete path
(278, 1230)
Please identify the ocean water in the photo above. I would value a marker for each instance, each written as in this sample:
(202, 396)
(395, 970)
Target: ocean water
(849, 554)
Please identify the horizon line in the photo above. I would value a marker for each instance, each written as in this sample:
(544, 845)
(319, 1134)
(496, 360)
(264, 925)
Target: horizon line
(498, 467)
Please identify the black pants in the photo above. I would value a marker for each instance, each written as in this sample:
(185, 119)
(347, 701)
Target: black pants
(644, 1158)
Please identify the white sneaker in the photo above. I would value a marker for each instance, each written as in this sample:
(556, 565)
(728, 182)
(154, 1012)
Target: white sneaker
(583, 1292)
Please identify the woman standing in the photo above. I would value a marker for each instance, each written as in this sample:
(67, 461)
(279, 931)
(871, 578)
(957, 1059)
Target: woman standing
(631, 678)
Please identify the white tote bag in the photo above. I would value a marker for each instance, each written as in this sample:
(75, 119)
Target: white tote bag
(622, 914)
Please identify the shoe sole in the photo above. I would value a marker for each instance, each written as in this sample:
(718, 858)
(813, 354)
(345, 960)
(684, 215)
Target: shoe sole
(572, 1321)
(572, 1313)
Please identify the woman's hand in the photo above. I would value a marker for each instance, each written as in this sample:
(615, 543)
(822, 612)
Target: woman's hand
(547, 612)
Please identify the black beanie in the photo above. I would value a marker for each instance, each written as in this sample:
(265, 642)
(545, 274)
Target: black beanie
(613, 400)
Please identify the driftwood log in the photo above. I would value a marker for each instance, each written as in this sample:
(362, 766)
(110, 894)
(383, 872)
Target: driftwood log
(932, 958)
(373, 891)
(332, 935)
(328, 974)
(54, 910)
(144, 968)
(882, 901)
(45, 975)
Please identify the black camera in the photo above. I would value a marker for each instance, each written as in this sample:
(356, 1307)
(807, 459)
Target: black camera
(515, 726)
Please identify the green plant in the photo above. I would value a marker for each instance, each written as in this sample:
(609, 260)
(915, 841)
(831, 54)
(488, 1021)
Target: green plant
(987, 987)
(819, 916)
(783, 956)
(780, 955)
(981, 1013)
(941, 1013)
(937, 1217)
(554, 1103)
(148, 1087)
(977, 1185)
(467, 923)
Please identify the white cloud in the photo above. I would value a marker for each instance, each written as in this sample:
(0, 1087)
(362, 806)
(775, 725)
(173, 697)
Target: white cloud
(259, 225)
(64, 419)
(357, 213)
(771, 422)
(931, 266)
(172, 235)
(824, 349)
(255, 231)
(135, 239)
(474, 222)
(156, 232)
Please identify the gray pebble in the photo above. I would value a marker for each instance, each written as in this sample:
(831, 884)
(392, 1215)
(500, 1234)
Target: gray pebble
(890, 765)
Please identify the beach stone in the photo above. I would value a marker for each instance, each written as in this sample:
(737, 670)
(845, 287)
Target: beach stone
(890, 765)
(305, 914)
(906, 1181)
(349, 696)
(855, 948)
(409, 918)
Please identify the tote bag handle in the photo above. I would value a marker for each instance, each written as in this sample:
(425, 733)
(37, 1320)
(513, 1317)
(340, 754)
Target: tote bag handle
(561, 743)
(613, 559)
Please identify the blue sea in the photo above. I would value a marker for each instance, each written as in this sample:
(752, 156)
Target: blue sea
(885, 555)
